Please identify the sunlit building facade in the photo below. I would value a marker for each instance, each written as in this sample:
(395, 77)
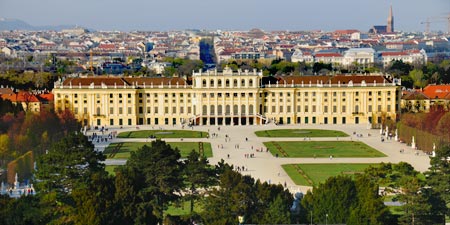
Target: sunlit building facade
(229, 98)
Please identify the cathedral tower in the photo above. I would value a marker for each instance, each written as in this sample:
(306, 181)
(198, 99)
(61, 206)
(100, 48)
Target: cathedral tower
(390, 22)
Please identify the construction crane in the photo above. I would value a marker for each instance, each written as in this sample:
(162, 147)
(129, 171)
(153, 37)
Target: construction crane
(436, 19)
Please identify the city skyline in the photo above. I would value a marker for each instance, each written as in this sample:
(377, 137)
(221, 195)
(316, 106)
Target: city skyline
(231, 15)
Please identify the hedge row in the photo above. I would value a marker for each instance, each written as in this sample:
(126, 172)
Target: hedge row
(23, 166)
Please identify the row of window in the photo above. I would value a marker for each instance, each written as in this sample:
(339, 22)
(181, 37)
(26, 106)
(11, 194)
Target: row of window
(213, 83)
(280, 94)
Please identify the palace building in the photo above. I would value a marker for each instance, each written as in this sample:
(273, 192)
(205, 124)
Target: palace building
(229, 98)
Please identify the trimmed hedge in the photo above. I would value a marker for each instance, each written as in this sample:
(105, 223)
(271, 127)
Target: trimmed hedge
(23, 166)
(424, 140)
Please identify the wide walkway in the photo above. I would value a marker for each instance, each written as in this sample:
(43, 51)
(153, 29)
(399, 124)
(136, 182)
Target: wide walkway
(266, 167)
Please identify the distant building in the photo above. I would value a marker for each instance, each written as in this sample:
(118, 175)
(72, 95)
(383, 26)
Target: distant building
(359, 56)
(246, 55)
(422, 100)
(412, 57)
(378, 29)
(75, 31)
(390, 22)
(300, 56)
(29, 101)
(381, 29)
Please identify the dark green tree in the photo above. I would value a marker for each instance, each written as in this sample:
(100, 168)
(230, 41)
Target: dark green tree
(369, 208)
(277, 212)
(68, 164)
(95, 204)
(417, 206)
(398, 68)
(227, 202)
(237, 195)
(199, 174)
(133, 204)
(24, 210)
(162, 171)
(332, 200)
(438, 176)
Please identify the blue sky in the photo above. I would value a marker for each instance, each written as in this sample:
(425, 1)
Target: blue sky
(227, 15)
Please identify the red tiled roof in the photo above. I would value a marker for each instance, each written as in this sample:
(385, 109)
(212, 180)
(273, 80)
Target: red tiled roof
(120, 81)
(356, 79)
(416, 95)
(46, 97)
(342, 79)
(107, 46)
(437, 91)
(6, 91)
(20, 97)
(393, 53)
(328, 55)
(345, 31)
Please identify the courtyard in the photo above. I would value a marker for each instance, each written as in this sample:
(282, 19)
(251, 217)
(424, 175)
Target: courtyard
(234, 144)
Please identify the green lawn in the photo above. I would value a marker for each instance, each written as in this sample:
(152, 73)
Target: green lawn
(110, 169)
(163, 134)
(300, 133)
(183, 208)
(318, 173)
(310, 149)
(184, 147)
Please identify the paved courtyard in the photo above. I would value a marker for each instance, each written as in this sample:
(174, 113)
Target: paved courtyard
(266, 167)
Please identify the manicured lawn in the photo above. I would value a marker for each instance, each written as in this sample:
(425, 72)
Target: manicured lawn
(163, 134)
(110, 169)
(319, 173)
(310, 149)
(184, 147)
(183, 208)
(300, 133)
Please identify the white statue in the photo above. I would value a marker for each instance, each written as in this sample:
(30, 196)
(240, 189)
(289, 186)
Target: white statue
(396, 134)
(16, 183)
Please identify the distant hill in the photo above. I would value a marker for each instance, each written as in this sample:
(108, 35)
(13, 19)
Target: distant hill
(15, 24)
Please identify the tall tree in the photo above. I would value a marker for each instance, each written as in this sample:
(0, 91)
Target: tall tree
(418, 205)
(199, 174)
(331, 201)
(68, 164)
(438, 176)
(161, 169)
(369, 209)
(95, 204)
(133, 205)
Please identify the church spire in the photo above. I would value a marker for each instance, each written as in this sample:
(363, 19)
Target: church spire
(390, 21)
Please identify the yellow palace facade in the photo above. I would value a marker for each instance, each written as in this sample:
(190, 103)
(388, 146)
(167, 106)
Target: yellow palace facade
(229, 98)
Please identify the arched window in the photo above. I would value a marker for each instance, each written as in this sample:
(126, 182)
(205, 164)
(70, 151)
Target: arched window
(204, 110)
(235, 110)
(211, 109)
(204, 83)
(211, 83)
(250, 110)
(227, 110)
(250, 84)
(242, 109)
(356, 108)
(235, 83)
(243, 83)
(219, 110)
(219, 83)
(227, 83)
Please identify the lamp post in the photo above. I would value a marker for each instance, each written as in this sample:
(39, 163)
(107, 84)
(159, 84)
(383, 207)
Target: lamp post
(326, 219)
